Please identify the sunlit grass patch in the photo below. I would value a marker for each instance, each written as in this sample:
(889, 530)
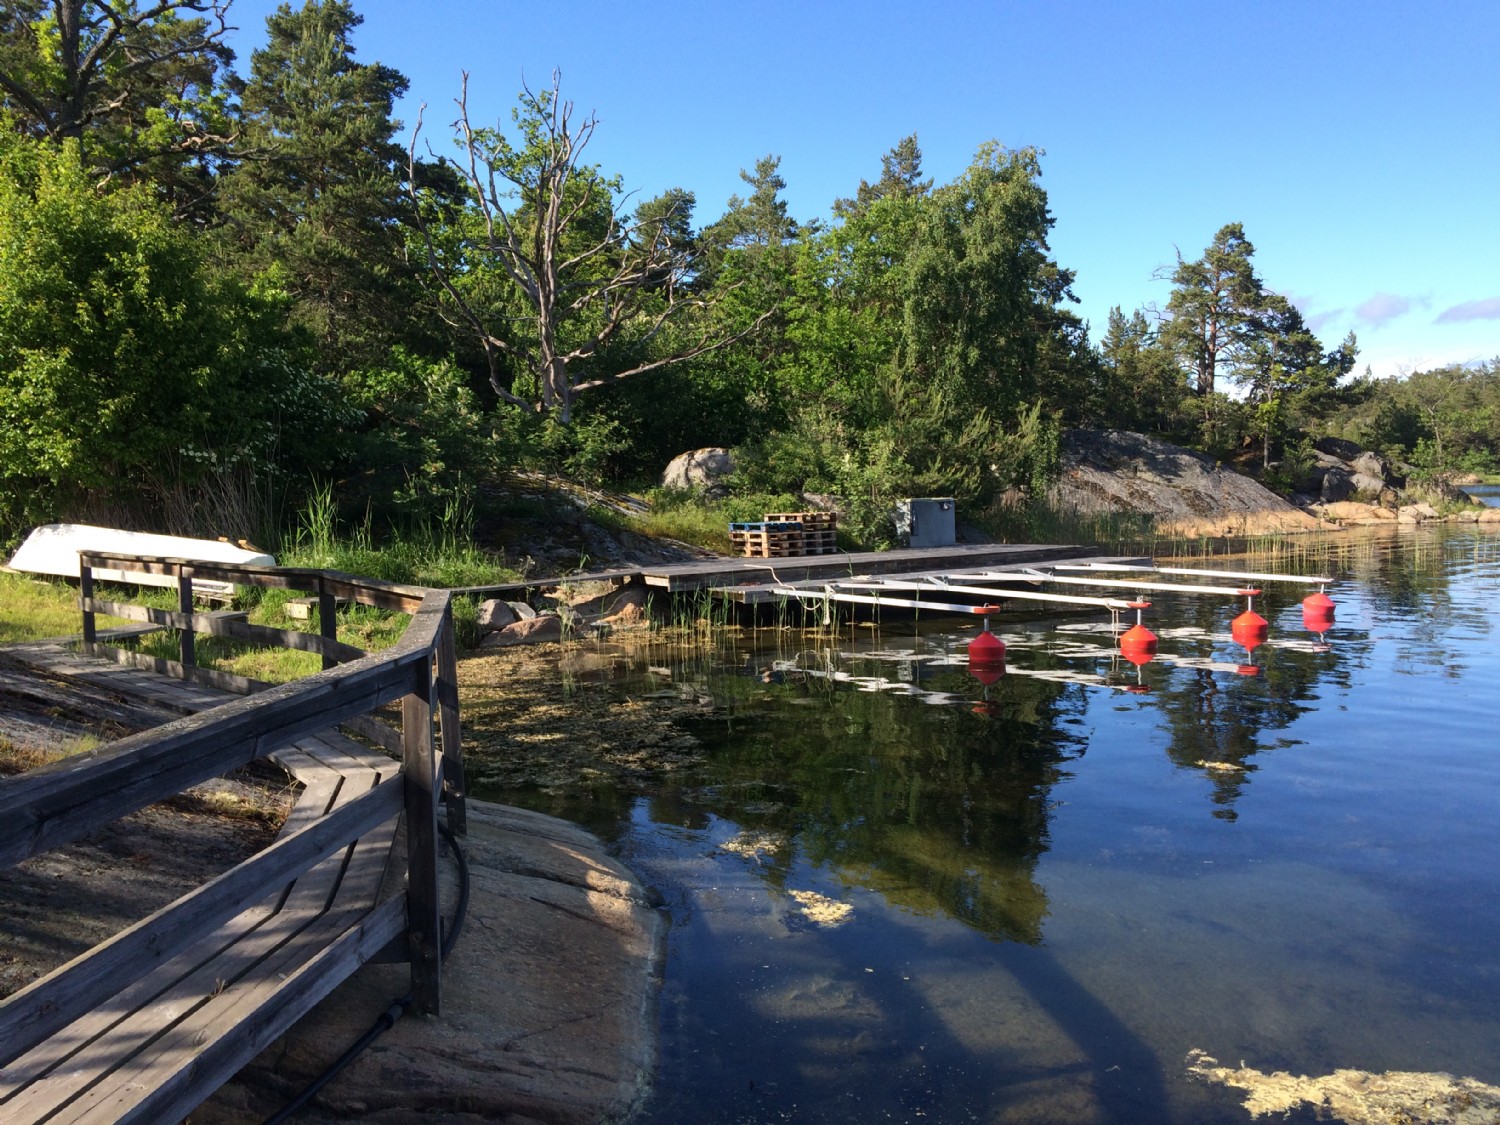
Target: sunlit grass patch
(32, 608)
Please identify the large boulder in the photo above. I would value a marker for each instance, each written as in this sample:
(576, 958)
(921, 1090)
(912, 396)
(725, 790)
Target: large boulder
(1338, 485)
(1338, 447)
(700, 470)
(1371, 489)
(1371, 464)
(1416, 513)
(1350, 512)
(549, 1000)
(537, 630)
(494, 615)
(1188, 493)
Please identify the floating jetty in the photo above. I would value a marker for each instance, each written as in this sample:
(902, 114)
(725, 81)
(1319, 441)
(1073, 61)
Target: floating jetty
(964, 579)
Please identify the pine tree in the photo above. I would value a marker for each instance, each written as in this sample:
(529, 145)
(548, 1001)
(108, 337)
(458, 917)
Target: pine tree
(1211, 313)
(317, 197)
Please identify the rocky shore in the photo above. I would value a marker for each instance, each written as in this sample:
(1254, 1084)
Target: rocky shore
(1191, 495)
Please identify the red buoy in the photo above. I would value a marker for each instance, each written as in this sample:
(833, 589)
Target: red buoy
(987, 672)
(1317, 613)
(1315, 619)
(1249, 628)
(1319, 604)
(1317, 616)
(1138, 643)
(986, 651)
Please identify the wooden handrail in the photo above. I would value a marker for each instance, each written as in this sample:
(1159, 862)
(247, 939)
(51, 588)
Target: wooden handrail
(65, 800)
(59, 802)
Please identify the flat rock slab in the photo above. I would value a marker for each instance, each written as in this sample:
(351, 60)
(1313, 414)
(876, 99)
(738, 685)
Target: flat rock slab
(549, 1001)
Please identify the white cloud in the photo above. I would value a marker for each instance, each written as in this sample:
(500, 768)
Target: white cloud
(1383, 308)
(1486, 309)
(1386, 363)
(1318, 321)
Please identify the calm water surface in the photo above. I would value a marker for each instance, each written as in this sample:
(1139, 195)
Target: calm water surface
(1485, 493)
(1058, 886)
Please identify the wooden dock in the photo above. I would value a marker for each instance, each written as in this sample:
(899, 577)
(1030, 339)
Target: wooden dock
(146, 1025)
(753, 580)
(738, 578)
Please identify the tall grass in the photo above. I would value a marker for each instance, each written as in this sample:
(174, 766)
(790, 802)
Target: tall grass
(437, 551)
(1041, 521)
(691, 519)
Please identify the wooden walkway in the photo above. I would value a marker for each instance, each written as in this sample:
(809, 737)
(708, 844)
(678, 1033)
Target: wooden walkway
(127, 1059)
(727, 573)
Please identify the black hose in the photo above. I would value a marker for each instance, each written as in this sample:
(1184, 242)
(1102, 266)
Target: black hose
(388, 1018)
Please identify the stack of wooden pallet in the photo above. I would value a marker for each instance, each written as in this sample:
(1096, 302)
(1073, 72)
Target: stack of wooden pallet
(786, 534)
(819, 530)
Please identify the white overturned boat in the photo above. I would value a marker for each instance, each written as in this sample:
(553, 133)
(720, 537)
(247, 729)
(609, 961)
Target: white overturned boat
(53, 549)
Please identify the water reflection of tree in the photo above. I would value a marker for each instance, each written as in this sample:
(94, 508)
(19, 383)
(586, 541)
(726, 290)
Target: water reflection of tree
(938, 809)
(1407, 582)
(1216, 721)
(1416, 583)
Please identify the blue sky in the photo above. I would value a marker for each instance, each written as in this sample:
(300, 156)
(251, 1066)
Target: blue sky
(1358, 142)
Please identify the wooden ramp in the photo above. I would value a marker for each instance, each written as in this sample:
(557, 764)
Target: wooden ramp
(137, 1057)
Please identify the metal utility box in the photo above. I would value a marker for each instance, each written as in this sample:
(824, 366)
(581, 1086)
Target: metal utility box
(929, 522)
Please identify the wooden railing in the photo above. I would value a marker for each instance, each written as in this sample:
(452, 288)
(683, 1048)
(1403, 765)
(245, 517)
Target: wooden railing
(61, 802)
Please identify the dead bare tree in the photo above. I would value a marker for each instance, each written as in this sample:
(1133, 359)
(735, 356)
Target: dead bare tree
(555, 229)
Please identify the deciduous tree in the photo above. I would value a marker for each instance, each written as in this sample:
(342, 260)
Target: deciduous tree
(138, 85)
(129, 372)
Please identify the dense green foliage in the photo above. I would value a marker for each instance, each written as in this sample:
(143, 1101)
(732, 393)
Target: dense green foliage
(132, 378)
(218, 294)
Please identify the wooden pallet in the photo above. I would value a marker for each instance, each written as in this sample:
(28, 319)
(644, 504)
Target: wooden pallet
(786, 535)
(766, 544)
(820, 542)
(809, 521)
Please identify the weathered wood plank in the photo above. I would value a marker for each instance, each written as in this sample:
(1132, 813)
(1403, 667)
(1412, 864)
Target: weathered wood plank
(343, 753)
(215, 621)
(126, 680)
(318, 888)
(86, 591)
(329, 649)
(50, 1004)
(225, 681)
(446, 687)
(185, 640)
(95, 1042)
(681, 577)
(383, 735)
(59, 802)
(215, 990)
(367, 591)
(184, 1066)
(424, 926)
(328, 624)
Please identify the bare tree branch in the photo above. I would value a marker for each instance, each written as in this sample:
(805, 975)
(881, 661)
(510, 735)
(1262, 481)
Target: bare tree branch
(553, 227)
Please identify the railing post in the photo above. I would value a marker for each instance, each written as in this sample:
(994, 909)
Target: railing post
(423, 920)
(185, 605)
(447, 700)
(86, 597)
(328, 620)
